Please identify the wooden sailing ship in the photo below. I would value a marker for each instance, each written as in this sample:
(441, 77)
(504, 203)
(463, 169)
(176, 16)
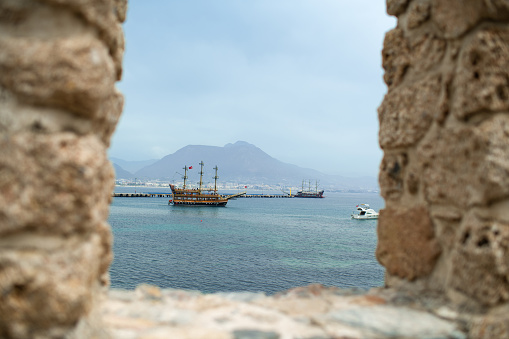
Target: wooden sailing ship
(198, 196)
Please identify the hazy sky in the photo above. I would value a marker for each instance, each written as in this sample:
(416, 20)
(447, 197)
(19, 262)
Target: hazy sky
(300, 79)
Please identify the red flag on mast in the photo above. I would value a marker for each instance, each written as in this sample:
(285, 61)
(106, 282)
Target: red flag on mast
(190, 167)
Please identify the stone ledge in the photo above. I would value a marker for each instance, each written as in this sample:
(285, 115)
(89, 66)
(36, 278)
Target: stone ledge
(314, 311)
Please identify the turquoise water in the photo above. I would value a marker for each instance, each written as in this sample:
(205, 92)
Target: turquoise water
(266, 245)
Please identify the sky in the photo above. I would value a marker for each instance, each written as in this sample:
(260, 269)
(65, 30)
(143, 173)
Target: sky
(300, 79)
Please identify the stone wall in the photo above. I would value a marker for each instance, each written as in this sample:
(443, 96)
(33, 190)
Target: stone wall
(59, 61)
(444, 130)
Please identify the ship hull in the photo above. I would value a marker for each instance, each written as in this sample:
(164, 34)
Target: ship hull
(308, 196)
(199, 203)
(365, 217)
(195, 197)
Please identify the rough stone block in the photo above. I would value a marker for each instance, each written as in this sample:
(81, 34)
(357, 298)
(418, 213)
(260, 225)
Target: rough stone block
(455, 17)
(16, 116)
(107, 117)
(44, 293)
(491, 325)
(394, 322)
(73, 74)
(105, 16)
(53, 184)
(465, 166)
(482, 77)
(391, 175)
(446, 220)
(22, 19)
(121, 9)
(117, 50)
(396, 7)
(480, 260)
(406, 114)
(403, 58)
(497, 10)
(407, 246)
(418, 12)
(395, 57)
(14, 12)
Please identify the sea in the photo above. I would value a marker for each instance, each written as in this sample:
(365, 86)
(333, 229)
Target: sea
(253, 244)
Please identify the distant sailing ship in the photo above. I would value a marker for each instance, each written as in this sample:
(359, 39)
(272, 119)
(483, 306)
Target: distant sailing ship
(195, 196)
(309, 193)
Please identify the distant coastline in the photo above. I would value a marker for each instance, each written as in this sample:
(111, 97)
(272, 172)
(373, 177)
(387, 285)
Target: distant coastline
(254, 188)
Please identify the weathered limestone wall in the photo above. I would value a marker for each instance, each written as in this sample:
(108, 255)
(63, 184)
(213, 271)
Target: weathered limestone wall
(444, 130)
(59, 61)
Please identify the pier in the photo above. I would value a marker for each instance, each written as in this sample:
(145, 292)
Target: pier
(141, 195)
(265, 196)
(168, 195)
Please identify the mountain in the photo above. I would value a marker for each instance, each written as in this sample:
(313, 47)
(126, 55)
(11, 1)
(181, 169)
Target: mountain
(121, 173)
(243, 163)
(132, 166)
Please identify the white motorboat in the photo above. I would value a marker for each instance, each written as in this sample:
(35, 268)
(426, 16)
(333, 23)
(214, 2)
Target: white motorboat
(365, 212)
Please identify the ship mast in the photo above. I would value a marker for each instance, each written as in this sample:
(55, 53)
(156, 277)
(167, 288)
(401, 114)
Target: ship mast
(185, 176)
(215, 180)
(201, 173)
